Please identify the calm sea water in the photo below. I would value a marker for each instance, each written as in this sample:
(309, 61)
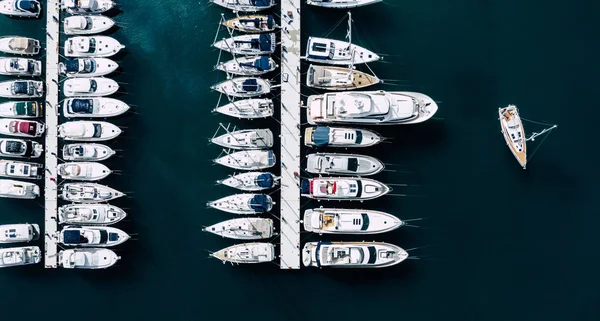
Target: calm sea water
(496, 242)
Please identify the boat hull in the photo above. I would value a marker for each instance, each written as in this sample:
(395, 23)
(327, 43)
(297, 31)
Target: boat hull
(247, 228)
(343, 164)
(246, 253)
(323, 221)
(380, 254)
(248, 160)
(342, 4)
(83, 258)
(248, 109)
(88, 193)
(96, 152)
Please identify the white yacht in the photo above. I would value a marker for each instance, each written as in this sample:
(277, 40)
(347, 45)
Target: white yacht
(352, 254)
(87, 258)
(20, 170)
(87, 87)
(338, 78)
(18, 189)
(243, 87)
(90, 131)
(94, 107)
(341, 4)
(245, 139)
(349, 221)
(513, 132)
(248, 66)
(343, 164)
(243, 204)
(21, 128)
(255, 44)
(16, 256)
(370, 108)
(251, 23)
(21, 89)
(88, 193)
(247, 228)
(246, 253)
(248, 108)
(90, 214)
(343, 188)
(92, 236)
(245, 5)
(20, 148)
(21, 109)
(83, 171)
(19, 233)
(322, 136)
(21, 8)
(248, 159)
(20, 67)
(87, 25)
(92, 46)
(87, 67)
(87, 6)
(20, 45)
(251, 181)
(86, 152)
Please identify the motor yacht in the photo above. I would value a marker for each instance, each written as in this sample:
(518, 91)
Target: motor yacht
(251, 23)
(20, 148)
(248, 160)
(20, 170)
(343, 164)
(254, 44)
(20, 67)
(21, 109)
(322, 136)
(247, 228)
(87, 6)
(246, 253)
(86, 152)
(343, 188)
(87, 67)
(90, 131)
(87, 258)
(94, 107)
(21, 128)
(83, 171)
(338, 78)
(243, 87)
(88, 87)
(341, 4)
(92, 46)
(248, 66)
(251, 181)
(245, 139)
(248, 108)
(20, 256)
(19, 233)
(20, 45)
(21, 89)
(21, 8)
(88, 193)
(349, 221)
(19, 190)
(92, 236)
(243, 204)
(352, 254)
(87, 25)
(245, 5)
(90, 214)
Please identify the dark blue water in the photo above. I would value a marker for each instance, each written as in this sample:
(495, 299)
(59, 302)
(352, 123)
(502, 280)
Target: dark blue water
(497, 242)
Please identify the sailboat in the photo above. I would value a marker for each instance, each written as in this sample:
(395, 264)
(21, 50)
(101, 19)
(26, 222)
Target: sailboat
(514, 133)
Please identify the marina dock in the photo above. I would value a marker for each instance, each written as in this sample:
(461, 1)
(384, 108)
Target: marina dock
(290, 135)
(51, 143)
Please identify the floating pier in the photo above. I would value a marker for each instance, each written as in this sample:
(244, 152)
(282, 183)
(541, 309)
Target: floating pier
(290, 135)
(51, 144)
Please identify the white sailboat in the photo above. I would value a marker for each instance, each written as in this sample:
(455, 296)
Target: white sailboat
(251, 181)
(244, 139)
(338, 78)
(246, 228)
(248, 66)
(248, 159)
(248, 108)
(243, 204)
(246, 253)
(341, 4)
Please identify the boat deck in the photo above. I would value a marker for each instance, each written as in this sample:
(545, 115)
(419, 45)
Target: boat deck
(51, 143)
(290, 135)
(359, 79)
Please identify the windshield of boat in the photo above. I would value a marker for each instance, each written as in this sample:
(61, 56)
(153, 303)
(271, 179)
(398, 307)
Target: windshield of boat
(92, 47)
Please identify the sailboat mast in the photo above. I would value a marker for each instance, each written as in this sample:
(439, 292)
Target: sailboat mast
(349, 35)
(534, 135)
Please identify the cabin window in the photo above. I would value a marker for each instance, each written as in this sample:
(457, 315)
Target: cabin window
(319, 47)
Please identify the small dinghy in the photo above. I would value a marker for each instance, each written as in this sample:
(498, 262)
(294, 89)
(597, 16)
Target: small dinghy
(86, 87)
(20, 148)
(245, 139)
(252, 23)
(92, 236)
(91, 131)
(19, 45)
(86, 152)
(349, 221)
(322, 136)
(248, 159)
(246, 253)
(243, 204)
(18, 189)
(19, 233)
(248, 66)
(93, 107)
(90, 214)
(87, 259)
(21, 109)
(20, 67)
(21, 8)
(248, 109)
(87, 6)
(20, 170)
(94, 46)
(243, 87)
(338, 78)
(88, 193)
(352, 254)
(247, 228)
(20, 256)
(258, 44)
(245, 5)
(87, 25)
(343, 164)
(21, 128)
(21, 89)
(83, 171)
(343, 189)
(251, 182)
(87, 67)
(341, 4)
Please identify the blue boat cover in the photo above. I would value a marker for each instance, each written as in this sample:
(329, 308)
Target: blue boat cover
(113, 237)
(265, 42)
(73, 237)
(305, 186)
(265, 180)
(262, 64)
(260, 203)
(250, 85)
(82, 106)
(27, 5)
(271, 158)
(30, 67)
(260, 2)
(72, 65)
(20, 87)
(321, 136)
(270, 22)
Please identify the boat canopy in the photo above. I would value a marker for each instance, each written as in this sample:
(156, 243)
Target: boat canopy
(321, 136)
(74, 237)
(264, 180)
(352, 165)
(26, 108)
(260, 203)
(265, 42)
(82, 106)
(20, 87)
(27, 5)
(318, 251)
(305, 186)
(14, 146)
(261, 64)
(19, 43)
(25, 127)
(250, 85)
(260, 3)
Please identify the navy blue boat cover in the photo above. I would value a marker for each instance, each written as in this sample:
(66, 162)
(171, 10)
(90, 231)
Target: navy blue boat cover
(260, 64)
(82, 106)
(73, 237)
(113, 237)
(265, 180)
(20, 87)
(270, 22)
(305, 186)
(260, 203)
(27, 5)
(260, 2)
(265, 42)
(72, 65)
(250, 85)
(321, 136)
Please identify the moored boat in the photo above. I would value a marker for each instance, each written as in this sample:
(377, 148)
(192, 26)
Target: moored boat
(92, 236)
(247, 228)
(87, 6)
(251, 23)
(87, 87)
(343, 164)
(21, 8)
(21, 109)
(248, 108)
(92, 46)
(20, 67)
(245, 5)
(93, 107)
(352, 254)
(341, 4)
(19, 233)
(248, 66)
(349, 221)
(338, 78)
(246, 253)
(16, 256)
(19, 190)
(20, 45)
(87, 67)
(243, 204)
(21, 89)
(83, 171)
(343, 188)
(251, 181)
(87, 25)
(20, 148)
(87, 258)
(88, 193)
(244, 87)
(248, 159)
(21, 128)
(245, 139)
(91, 131)
(20, 170)
(254, 44)
(90, 214)
(322, 136)
(86, 152)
